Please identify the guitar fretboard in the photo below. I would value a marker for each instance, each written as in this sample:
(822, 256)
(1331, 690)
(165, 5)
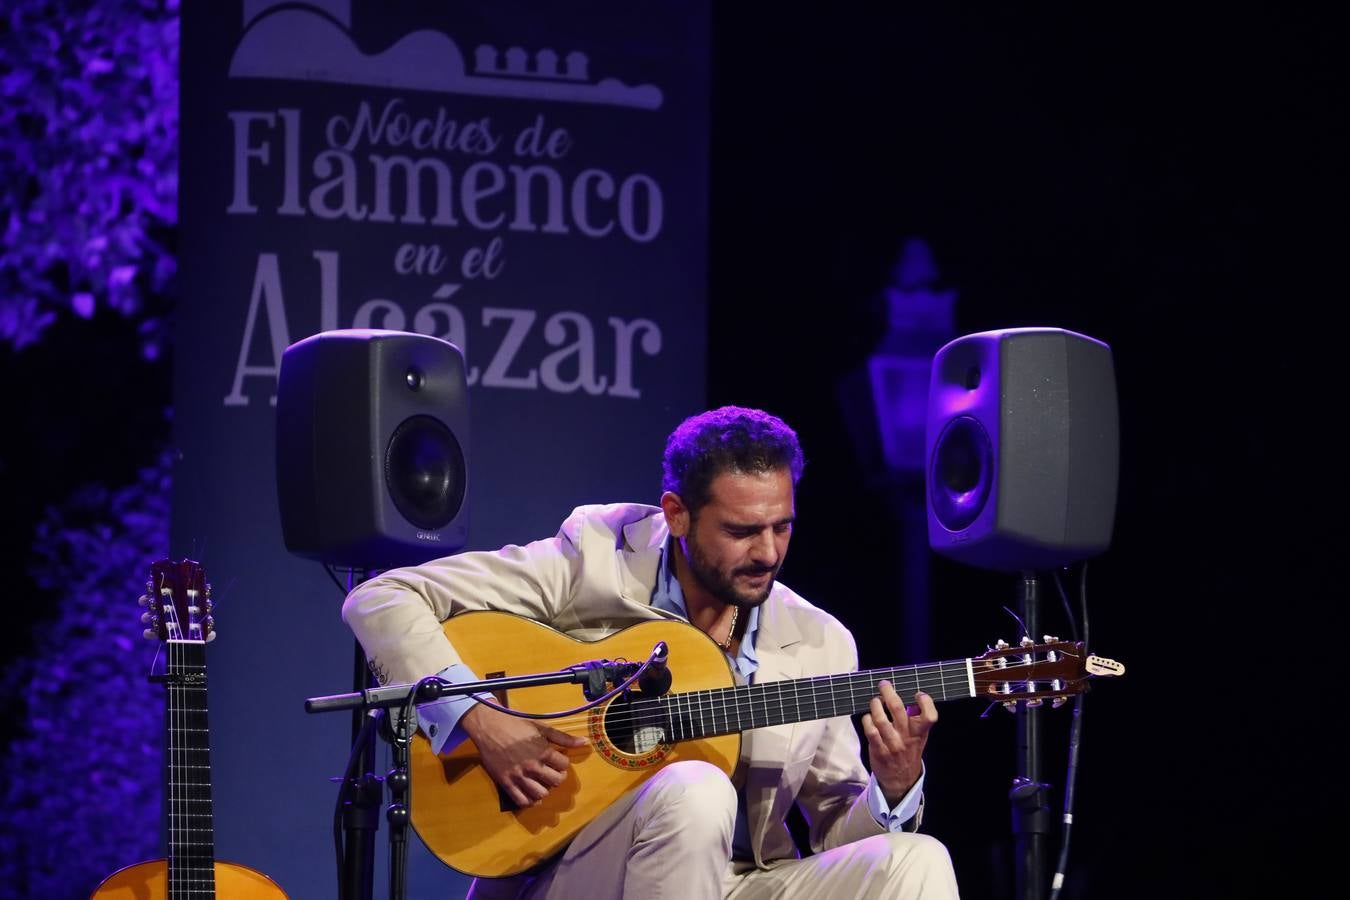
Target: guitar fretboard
(191, 832)
(700, 714)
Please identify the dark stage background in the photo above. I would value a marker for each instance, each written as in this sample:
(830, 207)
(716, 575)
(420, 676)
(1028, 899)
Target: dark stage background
(1169, 182)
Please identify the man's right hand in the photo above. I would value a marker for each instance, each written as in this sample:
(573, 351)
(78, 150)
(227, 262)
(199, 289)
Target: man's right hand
(521, 755)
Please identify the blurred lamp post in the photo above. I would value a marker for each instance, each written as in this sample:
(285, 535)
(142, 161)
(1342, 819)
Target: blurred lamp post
(885, 403)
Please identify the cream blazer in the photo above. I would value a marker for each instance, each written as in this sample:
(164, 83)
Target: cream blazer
(596, 577)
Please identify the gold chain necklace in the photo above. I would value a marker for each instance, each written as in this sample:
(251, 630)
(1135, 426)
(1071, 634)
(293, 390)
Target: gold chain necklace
(731, 632)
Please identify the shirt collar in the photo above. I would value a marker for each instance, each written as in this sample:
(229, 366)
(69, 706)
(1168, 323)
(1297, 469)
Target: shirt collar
(669, 596)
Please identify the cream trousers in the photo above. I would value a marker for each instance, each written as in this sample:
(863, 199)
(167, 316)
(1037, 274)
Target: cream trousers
(671, 838)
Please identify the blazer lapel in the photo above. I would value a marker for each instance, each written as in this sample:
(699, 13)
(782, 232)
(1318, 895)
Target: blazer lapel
(641, 554)
(769, 749)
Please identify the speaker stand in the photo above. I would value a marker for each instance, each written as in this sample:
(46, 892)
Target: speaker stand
(1031, 815)
(361, 810)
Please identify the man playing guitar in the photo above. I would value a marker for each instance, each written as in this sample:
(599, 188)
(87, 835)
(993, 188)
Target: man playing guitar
(709, 555)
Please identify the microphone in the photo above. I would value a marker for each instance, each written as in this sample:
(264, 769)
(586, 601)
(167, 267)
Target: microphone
(596, 674)
(656, 680)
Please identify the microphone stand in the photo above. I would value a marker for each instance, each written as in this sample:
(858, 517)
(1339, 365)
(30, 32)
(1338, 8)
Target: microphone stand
(361, 811)
(358, 868)
(1031, 815)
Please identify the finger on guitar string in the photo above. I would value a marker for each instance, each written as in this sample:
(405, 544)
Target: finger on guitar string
(565, 738)
(522, 756)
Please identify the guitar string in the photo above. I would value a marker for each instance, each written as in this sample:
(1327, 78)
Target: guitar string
(671, 709)
(188, 866)
(692, 709)
(193, 865)
(175, 806)
(704, 703)
(949, 674)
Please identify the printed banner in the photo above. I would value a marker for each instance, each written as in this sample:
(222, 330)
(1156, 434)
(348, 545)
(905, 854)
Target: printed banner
(527, 181)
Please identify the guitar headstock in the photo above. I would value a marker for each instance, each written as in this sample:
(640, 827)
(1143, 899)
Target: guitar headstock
(1032, 673)
(178, 602)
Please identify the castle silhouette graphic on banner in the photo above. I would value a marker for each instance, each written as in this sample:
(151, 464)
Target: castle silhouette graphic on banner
(313, 42)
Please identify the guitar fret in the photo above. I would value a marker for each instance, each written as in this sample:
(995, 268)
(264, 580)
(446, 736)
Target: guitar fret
(743, 707)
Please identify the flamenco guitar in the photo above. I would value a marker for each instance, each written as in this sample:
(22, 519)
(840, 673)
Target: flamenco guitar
(179, 614)
(462, 816)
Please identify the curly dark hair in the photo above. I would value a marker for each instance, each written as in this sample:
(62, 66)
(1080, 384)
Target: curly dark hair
(729, 439)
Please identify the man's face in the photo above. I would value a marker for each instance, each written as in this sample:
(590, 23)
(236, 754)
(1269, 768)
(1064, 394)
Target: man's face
(736, 544)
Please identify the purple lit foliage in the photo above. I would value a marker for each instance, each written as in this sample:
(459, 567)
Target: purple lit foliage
(88, 162)
(88, 191)
(86, 772)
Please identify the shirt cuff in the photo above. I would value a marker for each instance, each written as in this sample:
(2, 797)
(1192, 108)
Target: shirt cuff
(439, 719)
(906, 809)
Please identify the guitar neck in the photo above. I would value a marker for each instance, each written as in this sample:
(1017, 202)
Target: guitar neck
(191, 829)
(700, 714)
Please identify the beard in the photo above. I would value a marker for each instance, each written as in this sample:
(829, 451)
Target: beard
(722, 585)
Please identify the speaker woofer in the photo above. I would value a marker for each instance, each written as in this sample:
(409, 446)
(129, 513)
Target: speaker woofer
(963, 473)
(424, 472)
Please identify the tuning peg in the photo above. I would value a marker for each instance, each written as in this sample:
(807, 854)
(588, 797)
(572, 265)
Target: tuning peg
(1026, 641)
(145, 618)
(1000, 645)
(1050, 639)
(143, 600)
(1058, 702)
(1035, 701)
(1010, 706)
(148, 634)
(211, 636)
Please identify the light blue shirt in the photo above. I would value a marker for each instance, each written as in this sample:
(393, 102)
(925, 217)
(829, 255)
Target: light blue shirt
(440, 718)
(669, 596)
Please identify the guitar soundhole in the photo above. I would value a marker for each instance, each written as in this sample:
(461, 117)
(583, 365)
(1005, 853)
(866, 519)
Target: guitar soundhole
(630, 731)
(630, 736)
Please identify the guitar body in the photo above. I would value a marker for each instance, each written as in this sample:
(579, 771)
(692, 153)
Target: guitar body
(150, 881)
(458, 810)
(464, 818)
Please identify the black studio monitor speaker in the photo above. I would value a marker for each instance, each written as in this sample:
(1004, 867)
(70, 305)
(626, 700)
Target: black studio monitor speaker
(373, 448)
(1022, 449)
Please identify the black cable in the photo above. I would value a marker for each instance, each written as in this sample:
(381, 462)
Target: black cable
(1082, 600)
(333, 575)
(1075, 740)
(521, 714)
(1068, 608)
